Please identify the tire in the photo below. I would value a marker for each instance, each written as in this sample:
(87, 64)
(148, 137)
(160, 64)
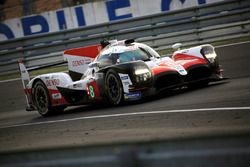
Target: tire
(113, 88)
(41, 99)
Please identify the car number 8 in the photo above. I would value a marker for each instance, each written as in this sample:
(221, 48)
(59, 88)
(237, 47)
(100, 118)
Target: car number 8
(91, 91)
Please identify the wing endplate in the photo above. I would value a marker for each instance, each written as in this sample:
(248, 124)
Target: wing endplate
(79, 59)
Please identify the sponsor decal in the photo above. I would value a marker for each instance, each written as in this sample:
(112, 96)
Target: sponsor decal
(77, 63)
(126, 83)
(53, 82)
(181, 70)
(133, 95)
(56, 96)
(124, 77)
(82, 62)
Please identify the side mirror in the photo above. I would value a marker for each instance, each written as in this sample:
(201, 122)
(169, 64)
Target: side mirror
(94, 64)
(177, 46)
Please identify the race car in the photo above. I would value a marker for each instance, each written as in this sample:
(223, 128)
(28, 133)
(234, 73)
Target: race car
(118, 71)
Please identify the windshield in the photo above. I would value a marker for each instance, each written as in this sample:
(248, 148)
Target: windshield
(111, 59)
(134, 55)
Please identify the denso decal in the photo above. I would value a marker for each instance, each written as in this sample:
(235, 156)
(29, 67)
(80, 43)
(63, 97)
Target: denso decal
(53, 82)
(76, 63)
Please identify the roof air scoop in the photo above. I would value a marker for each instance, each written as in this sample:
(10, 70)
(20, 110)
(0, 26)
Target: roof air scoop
(104, 43)
(129, 41)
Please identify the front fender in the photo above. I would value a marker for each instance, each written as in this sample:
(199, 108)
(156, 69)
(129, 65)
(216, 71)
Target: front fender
(129, 68)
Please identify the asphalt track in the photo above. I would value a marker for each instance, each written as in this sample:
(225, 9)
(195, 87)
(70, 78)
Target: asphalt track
(221, 109)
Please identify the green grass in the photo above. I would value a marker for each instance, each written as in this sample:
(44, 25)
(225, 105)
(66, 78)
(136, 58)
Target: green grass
(65, 68)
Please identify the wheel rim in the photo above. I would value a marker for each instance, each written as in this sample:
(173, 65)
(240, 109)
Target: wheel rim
(114, 90)
(41, 99)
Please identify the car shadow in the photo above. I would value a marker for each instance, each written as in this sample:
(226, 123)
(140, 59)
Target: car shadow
(174, 92)
(102, 107)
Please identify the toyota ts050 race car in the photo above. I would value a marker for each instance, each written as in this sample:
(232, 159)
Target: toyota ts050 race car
(117, 71)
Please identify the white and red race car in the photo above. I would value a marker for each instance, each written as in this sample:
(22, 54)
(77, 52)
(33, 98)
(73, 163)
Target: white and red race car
(117, 71)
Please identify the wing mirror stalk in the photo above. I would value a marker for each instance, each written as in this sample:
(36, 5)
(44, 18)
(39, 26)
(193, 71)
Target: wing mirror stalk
(177, 46)
(94, 65)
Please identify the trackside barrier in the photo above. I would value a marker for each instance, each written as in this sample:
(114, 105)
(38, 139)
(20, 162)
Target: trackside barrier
(205, 152)
(195, 25)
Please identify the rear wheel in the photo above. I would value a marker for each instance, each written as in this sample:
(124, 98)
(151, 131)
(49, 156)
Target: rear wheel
(114, 89)
(42, 100)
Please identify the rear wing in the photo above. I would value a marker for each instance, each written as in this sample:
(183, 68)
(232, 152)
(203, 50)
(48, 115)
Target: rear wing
(79, 58)
(25, 77)
(24, 73)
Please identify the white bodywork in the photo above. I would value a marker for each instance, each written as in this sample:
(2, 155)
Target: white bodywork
(196, 51)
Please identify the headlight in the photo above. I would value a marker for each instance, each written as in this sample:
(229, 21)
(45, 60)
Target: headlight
(141, 71)
(209, 53)
(142, 74)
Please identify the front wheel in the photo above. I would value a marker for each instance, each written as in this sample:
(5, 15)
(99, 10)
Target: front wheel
(114, 89)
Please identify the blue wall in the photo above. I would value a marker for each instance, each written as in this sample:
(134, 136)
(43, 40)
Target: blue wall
(89, 14)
